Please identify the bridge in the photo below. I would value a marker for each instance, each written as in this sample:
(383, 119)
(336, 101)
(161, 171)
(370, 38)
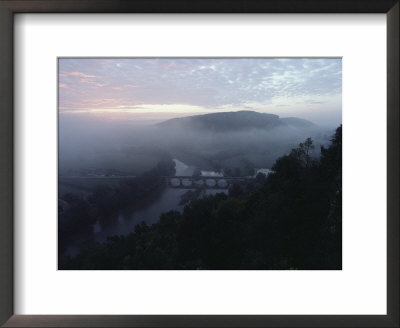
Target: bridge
(189, 182)
(182, 182)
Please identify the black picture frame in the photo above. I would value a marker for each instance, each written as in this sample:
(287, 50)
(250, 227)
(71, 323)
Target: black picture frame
(7, 10)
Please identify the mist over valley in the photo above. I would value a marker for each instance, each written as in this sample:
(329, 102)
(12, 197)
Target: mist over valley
(199, 163)
(216, 141)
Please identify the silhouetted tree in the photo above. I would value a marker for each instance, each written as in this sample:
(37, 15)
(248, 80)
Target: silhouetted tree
(292, 221)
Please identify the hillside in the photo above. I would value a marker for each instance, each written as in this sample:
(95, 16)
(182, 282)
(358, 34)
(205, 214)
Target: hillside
(234, 141)
(298, 122)
(234, 121)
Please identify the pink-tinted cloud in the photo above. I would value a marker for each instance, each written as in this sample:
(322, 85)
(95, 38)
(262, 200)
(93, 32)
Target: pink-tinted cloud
(206, 82)
(80, 74)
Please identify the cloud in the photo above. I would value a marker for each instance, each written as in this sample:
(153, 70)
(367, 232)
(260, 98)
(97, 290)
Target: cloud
(80, 74)
(207, 83)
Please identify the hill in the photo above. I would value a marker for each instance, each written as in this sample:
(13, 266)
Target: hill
(298, 122)
(234, 121)
(233, 141)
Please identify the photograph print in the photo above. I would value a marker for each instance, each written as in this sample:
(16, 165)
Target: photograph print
(199, 163)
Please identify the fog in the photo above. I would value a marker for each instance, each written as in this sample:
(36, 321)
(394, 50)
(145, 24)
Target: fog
(131, 131)
(133, 146)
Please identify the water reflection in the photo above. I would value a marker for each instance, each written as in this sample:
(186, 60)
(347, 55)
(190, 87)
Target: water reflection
(222, 183)
(168, 201)
(170, 198)
(181, 169)
(210, 183)
(125, 224)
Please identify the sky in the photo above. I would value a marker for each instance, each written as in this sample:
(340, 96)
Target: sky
(162, 88)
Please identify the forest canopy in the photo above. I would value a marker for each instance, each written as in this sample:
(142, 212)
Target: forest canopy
(293, 220)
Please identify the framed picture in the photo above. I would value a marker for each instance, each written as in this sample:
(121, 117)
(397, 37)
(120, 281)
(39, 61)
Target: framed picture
(185, 169)
(168, 143)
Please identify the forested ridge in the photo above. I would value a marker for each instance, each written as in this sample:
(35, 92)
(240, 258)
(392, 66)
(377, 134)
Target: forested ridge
(293, 221)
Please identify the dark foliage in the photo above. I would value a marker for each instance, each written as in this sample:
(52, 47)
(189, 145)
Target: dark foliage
(77, 217)
(292, 221)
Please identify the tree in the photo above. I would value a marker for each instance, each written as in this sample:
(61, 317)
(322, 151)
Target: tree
(235, 190)
(196, 173)
(166, 167)
(304, 151)
(292, 221)
(261, 177)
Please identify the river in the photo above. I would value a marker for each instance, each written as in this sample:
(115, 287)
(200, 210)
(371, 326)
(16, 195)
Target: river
(169, 200)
